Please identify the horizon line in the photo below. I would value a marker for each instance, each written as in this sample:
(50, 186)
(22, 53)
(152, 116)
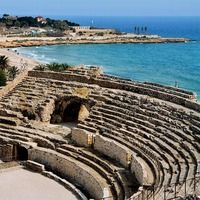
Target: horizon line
(73, 15)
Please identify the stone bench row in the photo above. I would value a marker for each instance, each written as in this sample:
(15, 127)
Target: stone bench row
(27, 137)
(166, 89)
(115, 85)
(124, 121)
(109, 122)
(114, 150)
(79, 126)
(73, 170)
(118, 191)
(44, 139)
(126, 114)
(165, 118)
(110, 130)
(183, 171)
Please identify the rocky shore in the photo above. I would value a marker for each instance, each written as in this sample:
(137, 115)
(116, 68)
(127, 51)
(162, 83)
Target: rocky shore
(12, 42)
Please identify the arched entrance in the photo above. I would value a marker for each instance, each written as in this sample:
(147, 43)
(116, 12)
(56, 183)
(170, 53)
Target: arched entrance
(22, 153)
(71, 112)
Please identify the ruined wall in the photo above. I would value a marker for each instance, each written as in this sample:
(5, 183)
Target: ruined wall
(82, 137)
(6, 152)
(11, 85)
(138, 169)
(116, 151)
(113, 150)
(83, 113)
(75, 171)
(46, 111)
(137, 88)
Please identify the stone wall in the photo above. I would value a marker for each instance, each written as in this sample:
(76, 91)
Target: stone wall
(46, 111)
(82, 137)
(75, 171)
(138, 168)
(137, 88)
(113, 150)
(11, 85)
(116, 151)
(6, 152)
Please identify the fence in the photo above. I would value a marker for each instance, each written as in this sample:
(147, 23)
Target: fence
(189, 189)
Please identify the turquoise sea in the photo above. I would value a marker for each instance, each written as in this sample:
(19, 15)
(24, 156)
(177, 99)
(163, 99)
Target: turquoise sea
(161, 63)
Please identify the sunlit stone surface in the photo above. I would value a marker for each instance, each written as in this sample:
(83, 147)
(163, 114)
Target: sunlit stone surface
(25, 185)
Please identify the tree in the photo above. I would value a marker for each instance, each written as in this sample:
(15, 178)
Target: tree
(4, 62)
(12, 72)
(57, 67)
(2, 78)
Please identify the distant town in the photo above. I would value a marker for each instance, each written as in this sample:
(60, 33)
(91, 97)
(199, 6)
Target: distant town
(36, 31)
(41, 26)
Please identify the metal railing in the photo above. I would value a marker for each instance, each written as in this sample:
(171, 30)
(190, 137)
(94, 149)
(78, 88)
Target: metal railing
(189, 189)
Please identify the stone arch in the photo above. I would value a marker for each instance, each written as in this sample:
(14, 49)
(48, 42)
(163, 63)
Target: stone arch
(71, 109)
(71, 112)
(22, 153)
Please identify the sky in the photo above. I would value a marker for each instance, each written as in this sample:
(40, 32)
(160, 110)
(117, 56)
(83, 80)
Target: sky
(101, 7)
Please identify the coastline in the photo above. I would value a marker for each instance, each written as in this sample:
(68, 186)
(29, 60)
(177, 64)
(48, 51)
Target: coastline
(15, 59)
(12, 42)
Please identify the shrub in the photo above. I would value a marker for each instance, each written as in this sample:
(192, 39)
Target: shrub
(57, 67)
(2, 78)
(41, 67)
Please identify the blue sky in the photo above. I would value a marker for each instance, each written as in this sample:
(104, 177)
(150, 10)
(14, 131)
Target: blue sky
(102, 7)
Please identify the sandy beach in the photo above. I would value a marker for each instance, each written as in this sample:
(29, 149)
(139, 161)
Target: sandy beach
(18, 60)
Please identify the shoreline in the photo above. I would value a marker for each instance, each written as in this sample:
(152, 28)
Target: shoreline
(13, 42)
(22, 62)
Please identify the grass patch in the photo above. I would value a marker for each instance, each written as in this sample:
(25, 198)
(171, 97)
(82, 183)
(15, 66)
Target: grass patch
(82, 92)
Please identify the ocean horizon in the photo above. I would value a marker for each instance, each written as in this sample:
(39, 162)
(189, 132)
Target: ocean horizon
(167, 64)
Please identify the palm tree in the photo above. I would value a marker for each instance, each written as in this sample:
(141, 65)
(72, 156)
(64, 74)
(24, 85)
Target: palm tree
(2, 78)
(12, 72)
(4, 62)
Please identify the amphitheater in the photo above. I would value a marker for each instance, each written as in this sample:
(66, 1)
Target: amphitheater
(105, 137)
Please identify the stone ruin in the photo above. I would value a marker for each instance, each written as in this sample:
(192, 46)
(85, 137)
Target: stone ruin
(127, 140)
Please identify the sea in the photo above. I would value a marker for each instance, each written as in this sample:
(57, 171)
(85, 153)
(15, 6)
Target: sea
(167, 63)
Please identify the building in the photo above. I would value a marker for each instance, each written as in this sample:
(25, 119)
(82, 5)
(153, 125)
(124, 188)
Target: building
(41, 20)
(81, 28)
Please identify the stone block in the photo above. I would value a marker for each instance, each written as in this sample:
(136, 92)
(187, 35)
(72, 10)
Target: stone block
(113, 150)
(82, 137)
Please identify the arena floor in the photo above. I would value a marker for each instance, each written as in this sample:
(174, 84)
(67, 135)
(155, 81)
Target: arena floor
(20, 184)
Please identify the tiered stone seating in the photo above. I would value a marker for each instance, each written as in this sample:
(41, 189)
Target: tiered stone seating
(158, 125)
(121, 180)
(162, 137)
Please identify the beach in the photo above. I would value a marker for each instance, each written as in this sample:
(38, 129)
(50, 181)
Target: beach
(15, 59)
